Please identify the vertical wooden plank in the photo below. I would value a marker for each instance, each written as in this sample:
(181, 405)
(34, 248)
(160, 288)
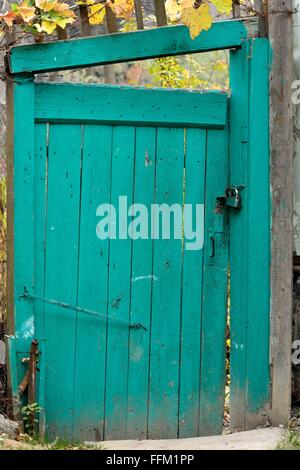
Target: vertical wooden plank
(282, 169)
(62, 34)
(10, 202)
(21, 204)
(250, 237)
(40, 211)
(258, 240)
(119, 287)
(239, 119)
(166, 298)
(261, 11)
(84, 20)
(160, 12)
(141, 289)
(112, 27)
(236, 10)
(13, 377)
(191, 315)
(215, 288)
(111, 20)
(61, 274)
(41, 387)
(90, 357)
(138, 8)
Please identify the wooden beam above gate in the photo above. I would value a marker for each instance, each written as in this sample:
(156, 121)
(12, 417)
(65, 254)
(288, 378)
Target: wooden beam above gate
(129, 105)
(139, 45)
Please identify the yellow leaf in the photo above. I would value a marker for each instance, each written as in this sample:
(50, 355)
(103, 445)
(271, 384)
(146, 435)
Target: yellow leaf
(187, 3)
(27, 13)
(97, 14)
(85, 2)
(64, 10)
(9, 18)
(53, 5)
(174, 9)
(122, 8)
(38, 27)
(223, 6)
(48, 26)
(62, 22)
(46, 5)
(220, 66)
(197, 19)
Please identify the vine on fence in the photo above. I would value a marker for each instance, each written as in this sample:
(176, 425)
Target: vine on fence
(43, 17)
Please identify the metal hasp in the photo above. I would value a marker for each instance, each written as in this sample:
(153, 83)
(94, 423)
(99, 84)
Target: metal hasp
(232, 197)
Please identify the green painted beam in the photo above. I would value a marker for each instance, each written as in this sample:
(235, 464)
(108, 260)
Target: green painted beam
(107, 49)
(250, 237)
(125, 105)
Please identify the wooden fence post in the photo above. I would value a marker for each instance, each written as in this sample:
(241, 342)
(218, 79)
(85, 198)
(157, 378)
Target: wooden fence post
(160, 12)
(112, 27)
(138, 7)
(281, 135)
(84, 20)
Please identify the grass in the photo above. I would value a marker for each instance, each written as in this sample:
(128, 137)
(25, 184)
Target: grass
(34, 443)
(290, 440)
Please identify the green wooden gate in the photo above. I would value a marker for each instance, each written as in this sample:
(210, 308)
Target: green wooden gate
(137, 381)
(132, 331)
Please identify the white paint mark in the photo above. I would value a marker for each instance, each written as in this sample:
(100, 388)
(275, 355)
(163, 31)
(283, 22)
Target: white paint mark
(137, 354)
(239, 346)
(143, 278)
(148, 161)
(27, 329)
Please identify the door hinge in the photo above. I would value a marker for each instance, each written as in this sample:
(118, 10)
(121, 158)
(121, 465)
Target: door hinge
(232, 197)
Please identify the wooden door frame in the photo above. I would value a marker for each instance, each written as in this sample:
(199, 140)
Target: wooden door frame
(249, 149)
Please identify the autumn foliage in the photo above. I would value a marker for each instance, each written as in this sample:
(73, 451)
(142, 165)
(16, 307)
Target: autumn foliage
(38, 16)
(42, 17)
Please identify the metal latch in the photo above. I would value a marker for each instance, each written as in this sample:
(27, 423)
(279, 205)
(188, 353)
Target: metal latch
(32, 297)
(232, 197)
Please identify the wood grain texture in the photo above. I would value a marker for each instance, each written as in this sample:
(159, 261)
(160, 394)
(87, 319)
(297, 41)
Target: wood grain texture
(191, 295)
(121, 381)
(23, 208)
(258, 238)
(281, 129)
(160, 12)
(40, 211)
(10, 130)
(142, 279)
(215, 290)
(101, 50)
(239, 115)
(119, 288)
(90, 354)
(250, 237)
(127, 105)
(166, 297)
(61, 271)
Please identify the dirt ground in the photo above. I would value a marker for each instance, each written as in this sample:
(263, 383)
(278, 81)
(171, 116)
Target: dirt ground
(260, 439)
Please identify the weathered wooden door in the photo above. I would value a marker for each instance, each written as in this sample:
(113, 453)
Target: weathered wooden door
(134, 323)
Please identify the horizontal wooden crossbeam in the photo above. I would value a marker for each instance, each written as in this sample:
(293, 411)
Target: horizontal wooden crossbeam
(127, 105)
(123, 47)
